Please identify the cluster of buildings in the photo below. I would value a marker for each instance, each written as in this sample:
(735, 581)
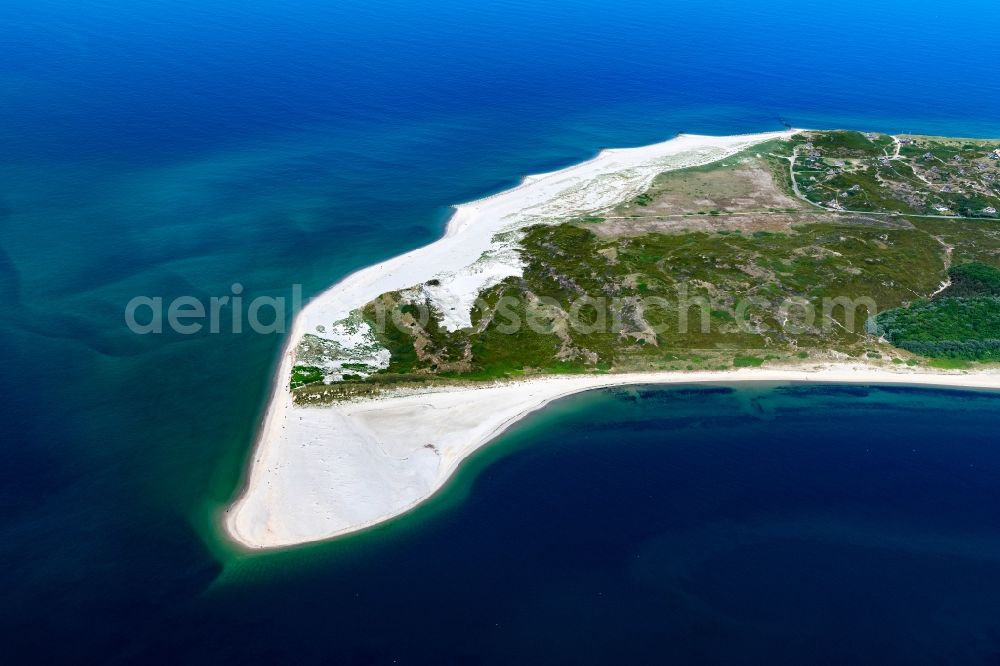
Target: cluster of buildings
(939, 172)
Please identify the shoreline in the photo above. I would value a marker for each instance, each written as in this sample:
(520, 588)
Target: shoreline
(391, 437)
(320, 472)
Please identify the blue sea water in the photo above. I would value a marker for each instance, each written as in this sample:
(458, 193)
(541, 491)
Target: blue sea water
(175, 148)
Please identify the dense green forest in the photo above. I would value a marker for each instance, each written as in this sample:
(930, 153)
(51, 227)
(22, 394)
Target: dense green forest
(962, 322)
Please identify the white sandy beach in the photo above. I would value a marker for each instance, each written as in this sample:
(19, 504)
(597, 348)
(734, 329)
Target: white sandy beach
(320, 472)
(334, 470)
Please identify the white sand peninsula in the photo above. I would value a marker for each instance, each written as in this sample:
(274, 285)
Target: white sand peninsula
(319, 472)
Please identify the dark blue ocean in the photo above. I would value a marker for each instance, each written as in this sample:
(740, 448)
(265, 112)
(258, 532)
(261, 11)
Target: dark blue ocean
(178, 147)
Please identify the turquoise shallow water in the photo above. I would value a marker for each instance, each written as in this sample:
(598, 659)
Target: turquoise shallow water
(177, 148)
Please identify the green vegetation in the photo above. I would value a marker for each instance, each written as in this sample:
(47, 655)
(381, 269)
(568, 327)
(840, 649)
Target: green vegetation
(965, 328)
(972, 241)
(669, 301)
(962, 322)
(949, 364)
(974, 279)
(851, 144)
(723, 266)
(928, 176)
(305, 374)
(747, 362)
(415, 338)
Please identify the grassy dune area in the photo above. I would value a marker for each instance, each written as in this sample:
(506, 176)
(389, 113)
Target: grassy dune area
(781, 253)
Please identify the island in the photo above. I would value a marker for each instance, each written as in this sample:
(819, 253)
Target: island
(794, 256)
